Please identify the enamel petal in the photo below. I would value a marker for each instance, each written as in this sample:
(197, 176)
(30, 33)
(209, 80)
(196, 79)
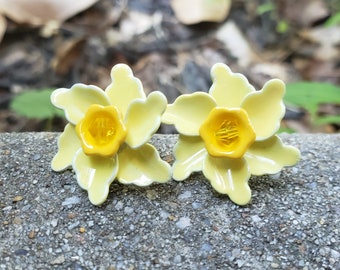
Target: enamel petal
(265, 108)
(229, 176)
(68, 145)
(189, 153)
(143, 118)
(76, 100)
(142, 166)
(270, 156)
(188, 112)
(124, 87)
(229, 89)
(95, 174)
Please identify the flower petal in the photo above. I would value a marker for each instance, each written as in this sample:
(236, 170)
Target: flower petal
(76, 100)
(142, 166)
(228, 88)
(124, 87)
(189, 153)
(265, 108)
(95, 174)
(68, 145)
(143, 118)
(270, 156)
(229, 176)
(188, 112)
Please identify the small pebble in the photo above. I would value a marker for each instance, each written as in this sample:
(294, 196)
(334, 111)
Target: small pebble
(21, 252)
(54, 223)
(196, 205)
(183, 222)
(68, 235)
(17, 198)
(70, 201)
(31, 234)
(71, 215)
(37, 157)
(274, 265)
(58, 260)
(185, 195)
(17, 221)
(177, 259)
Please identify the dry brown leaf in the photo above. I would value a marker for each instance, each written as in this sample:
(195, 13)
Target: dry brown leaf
(40, 12)
(67, 55)
(327, 37)
(260, 73)
(195, 11)
(135, 23)
(305, 12)
(322, 35)
(237, 45)
(3, 26)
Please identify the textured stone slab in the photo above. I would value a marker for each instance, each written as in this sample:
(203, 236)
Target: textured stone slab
(46, 220)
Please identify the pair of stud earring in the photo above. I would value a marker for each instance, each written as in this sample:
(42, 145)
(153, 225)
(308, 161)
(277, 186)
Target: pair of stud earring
(228, 133)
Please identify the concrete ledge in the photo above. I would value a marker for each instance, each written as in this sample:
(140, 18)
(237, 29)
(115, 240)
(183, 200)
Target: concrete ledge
(46, 220)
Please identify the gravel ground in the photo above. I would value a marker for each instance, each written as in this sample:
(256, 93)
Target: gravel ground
(47, 222)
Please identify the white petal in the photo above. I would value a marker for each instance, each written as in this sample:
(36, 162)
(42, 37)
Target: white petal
(265, 109)
(270, 156)
(95, 174)
(143, 118)
(76, 100)
(188, 112)
(124, 87)
(142, 166)
(229, 176)
(229, 89)
(68, 145)
(189, 154)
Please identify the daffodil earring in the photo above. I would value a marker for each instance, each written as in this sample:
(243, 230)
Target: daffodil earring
(229, 133)
(108, 132)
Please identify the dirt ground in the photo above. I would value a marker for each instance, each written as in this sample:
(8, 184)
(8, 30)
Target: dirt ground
(289, 40)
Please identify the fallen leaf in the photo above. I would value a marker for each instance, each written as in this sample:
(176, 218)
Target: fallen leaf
(3, 26)
(135, 23)
(260, 73)
(195, 11)
(305, 12)
(67, 54)
(322, 35)
(327, 37)
(40, 12)
(237, 45)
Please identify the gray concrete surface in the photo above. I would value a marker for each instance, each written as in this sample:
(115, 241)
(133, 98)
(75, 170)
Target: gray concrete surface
(47, 222)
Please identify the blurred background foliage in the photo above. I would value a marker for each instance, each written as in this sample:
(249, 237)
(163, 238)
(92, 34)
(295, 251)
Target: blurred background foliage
(170, 49)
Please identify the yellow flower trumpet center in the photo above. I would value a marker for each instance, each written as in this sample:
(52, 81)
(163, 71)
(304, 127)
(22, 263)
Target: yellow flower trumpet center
(227, 132)
(101, 131)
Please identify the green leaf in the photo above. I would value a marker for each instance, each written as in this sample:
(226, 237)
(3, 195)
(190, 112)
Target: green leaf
(264, 8)
(329, 119)
(309, 95)
(282, 27)
(286, 130)
(35, 104)
(333, 20)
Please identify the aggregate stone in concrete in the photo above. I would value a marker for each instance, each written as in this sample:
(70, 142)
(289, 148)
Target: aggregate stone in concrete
(47, 221)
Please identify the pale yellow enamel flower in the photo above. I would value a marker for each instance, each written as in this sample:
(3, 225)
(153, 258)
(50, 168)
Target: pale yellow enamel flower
(229, 133)
(107, 134)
